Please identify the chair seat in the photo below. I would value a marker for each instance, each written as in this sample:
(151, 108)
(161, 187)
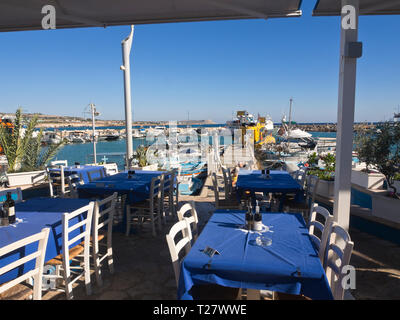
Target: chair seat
(73, 252)
(17, 292)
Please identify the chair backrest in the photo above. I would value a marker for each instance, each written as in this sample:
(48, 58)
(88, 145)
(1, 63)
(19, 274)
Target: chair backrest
(320, 237)
(215, 187)
(74, 233)
(227, 188)
(59, 163)
(175, 248)
(111, 168)
(38, 255)
(312, 187)
(16, 195)
(96, 174)
(337, 256)
(156, 186)
(192, 218)
(103, 216)
(56, 179)
(300, 176)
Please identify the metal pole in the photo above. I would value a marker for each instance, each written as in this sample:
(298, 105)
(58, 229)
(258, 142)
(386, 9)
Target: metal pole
(290, 114)
(126, 50)
(93, 109)
(345, 121)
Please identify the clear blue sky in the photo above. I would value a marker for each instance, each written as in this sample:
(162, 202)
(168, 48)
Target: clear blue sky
(207, 68)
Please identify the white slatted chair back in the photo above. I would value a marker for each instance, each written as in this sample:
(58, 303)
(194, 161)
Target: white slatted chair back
(74, 180)
(215, 187)
(16, 195)
(39, 255)
(320, 237)
(96, 174)
(226, 182)
(300, 177)
(104, 216)
(111, 169)
(70, 239)
(337, 256)
(188, 211)
(59, 163)
(175, 248)
(103, 219)
(56, 180)
(312, 183)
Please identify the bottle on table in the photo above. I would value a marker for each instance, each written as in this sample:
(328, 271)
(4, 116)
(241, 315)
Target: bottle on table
(249, 217)
(3, 217)
(268, 176)
(9, 208)
(257, 224)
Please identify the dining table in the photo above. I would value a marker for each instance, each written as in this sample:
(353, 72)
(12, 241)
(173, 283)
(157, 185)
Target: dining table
(133, 188)
(31, 217)
(82, 171)
(287, 262)
(280, 182)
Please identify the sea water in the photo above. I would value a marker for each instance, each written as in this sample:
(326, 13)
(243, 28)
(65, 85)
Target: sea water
(113, 151)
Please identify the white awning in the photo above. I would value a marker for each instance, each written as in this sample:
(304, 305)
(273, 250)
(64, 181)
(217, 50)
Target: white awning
(367, 7)
(18, 15)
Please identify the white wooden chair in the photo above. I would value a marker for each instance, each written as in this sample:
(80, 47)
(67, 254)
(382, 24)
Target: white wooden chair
(74, 180)
(223, 203)
(16, 195)
(70, 236)
(103, 221)
(59, 163)
(39, 256)
(338, 253)
(300, 177)
(56, 180)
(175, 248)
(146, 210)
(192, 219)
(320, 237)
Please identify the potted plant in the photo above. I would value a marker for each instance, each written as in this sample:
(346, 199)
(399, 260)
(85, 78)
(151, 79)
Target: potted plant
(366, 177)
(326, 173)
(25, 154)
(385, 155)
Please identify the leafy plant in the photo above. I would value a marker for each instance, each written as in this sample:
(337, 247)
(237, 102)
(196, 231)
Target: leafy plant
(141, 155)
(365, 149)
(384, 149)
(328, 172)
(23, 152)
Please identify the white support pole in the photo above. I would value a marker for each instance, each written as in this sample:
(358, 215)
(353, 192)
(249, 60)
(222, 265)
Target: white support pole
(93, 109)
(345, 121)
(126, 50)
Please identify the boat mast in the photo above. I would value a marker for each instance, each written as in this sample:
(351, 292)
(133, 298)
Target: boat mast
(290, 114)
(93, 111)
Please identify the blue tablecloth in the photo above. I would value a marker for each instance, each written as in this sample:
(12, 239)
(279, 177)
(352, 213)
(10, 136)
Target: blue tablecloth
(36, 214)
(243, 264)
(279, 182)
(82, 171)
(137, 188)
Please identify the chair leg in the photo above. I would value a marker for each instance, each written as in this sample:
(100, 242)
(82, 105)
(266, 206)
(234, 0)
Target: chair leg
(67, 283)
(86, 261)
(110, 259)
(97, 266)
(128, 220)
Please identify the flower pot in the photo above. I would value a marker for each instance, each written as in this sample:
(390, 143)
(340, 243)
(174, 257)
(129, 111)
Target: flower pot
(26, 178)
(386, 208)
(326, 188)
(372, 181)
